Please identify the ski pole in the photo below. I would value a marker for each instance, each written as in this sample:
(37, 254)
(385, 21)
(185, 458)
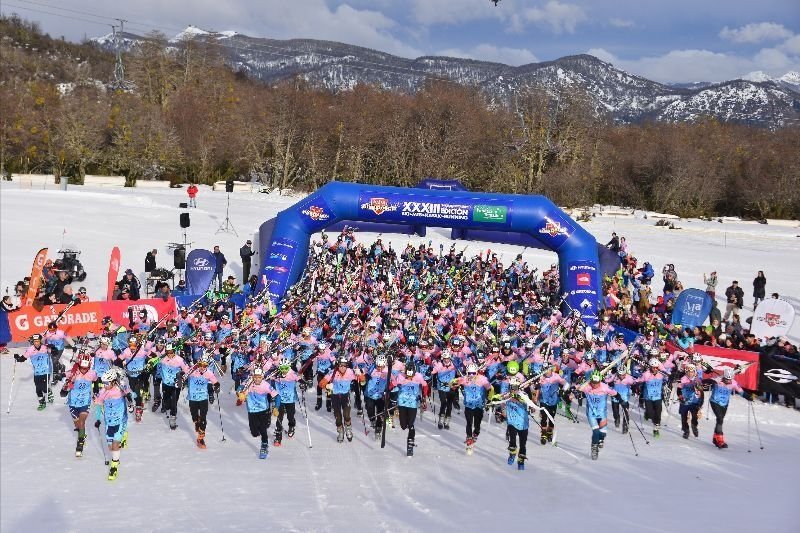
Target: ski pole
(305, 414)
(755, 420)
(102, 444)
(748, 431)
(640, 431)
(627, 419)
(11, 392)
(219, 410)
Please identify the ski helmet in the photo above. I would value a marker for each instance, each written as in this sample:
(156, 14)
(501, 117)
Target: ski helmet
(697, 358)
(208, 336)
(514, 382)
(596, 377)
(111, 376)
(205, 360)
(662, 356)
(653, 352)
(412, 339)
(727, 374)
(380, 361)
(410, 370)
(654, 362)
(342, 361)
(588, 356)
(84, 360)
(622, 370)
(104, 341)
(322, 345)
(690, 368)
(169, 347)
(446, 355)
(512, 368)
(161, 342)
(133, 341)
(387, 337)
(529, 345)
(143, 313)
(472, 368)
(36, 337)
(258, 372)
(284, 365)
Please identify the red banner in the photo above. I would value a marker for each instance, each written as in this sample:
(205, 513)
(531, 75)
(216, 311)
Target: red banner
(716, 357)
(113, 272)
(36, 276)
(83, 318)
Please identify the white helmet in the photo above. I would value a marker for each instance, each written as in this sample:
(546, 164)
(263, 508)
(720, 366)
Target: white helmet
(380, 360)
(727, 373)
(111, 375)
(472, 368)
(622, 370)
(691, 368)
(387, 336)
(653, 352)
(654, 362)
(446, 354)
(514, 382)
(258, 371)
(322, 345)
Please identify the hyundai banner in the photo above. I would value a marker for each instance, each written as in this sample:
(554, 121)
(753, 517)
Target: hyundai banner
(200, 266)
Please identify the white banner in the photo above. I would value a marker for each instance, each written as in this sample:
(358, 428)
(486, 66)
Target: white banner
(772, 318)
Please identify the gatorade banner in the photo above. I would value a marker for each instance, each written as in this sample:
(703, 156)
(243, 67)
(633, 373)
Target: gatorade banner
(113, 272)
(721, 357)
(200, 266)
(36, 276)
(691, 308)
(772, 318)
(83, 318)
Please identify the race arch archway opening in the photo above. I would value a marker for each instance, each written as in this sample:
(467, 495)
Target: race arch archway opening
(285, 239)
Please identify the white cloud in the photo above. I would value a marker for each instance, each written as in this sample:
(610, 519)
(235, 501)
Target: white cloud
(756, 33)
(701, 65)
(791, 46)
(559, 17)
(430, 12)
(621, 23)
(497, 54)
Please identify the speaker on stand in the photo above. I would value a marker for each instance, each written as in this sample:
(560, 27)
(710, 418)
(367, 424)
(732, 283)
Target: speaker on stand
(226, 226)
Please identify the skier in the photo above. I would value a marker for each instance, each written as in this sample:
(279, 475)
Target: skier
(325, 361)
(516, 414)
(110, 406)
(151, 370)
(338, 383)
(104, 358)
(134, 358)
(171, 370)
(690, 390)
(720, 397)
(56, 340)
(374, 394)
(286, 384)
(81, 382)
(411, 388)
(622, 384)
(476, 388)
(203, 384)
(42, 364)
(257, 396)
(652, 389)
(597, 393)
(445, 372)
(547, 393)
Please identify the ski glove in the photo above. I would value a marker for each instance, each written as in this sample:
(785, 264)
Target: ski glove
(19, 358)
(97, 424)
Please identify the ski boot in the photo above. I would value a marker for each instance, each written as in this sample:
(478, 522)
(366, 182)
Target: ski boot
(550, 435)
(42, 405)
(131, 407)
(498, 416)
(348, 432)
(512, 455)
(616, 423)
(145, 396)
(378, 431)
(50, 398)
(686, 433)
(318, 406)
(164, 408)
(359, 411)
(339, 434)
(173, 422)
(409, 447)
(719, 441)
(624, 428)
(278, 437)
(543, 438)
(470, 445)
(447, 422)
(79, 446)
(440, 423)
(595, 451)
(290, 432)
(695, 431)
(262, 454)
(521, 462)
(201, 439)
(156, 405)
(657, 431)
(602, 440)
(328, 404)
(124, 442)
(139, 412)
(112, 471)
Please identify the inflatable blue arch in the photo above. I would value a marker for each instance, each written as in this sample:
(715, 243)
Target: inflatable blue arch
(285, 239)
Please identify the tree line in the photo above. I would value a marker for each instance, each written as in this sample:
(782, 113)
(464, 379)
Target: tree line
(186, 116)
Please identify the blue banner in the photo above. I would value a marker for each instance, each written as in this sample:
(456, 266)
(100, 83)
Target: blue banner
(691, 308)
(200, 266)
(582, 278)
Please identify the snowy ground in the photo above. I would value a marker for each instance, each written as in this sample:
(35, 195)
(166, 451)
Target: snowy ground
(166, 483)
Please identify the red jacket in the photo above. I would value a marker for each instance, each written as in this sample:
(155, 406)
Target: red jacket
(192, 191)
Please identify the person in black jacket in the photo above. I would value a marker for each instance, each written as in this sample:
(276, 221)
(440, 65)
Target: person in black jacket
(613, 244)
(130, 285)
(246, 252)
(759, 288)
(735, 298)
(150, 261)
(221, 262)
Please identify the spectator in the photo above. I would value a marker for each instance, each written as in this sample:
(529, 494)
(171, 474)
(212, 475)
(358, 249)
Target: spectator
(759, 288)
(613, 244)
(715, 313)
(246, 252)
(221, 262)
(192, 192)
(735, 298)
(65, 296)
(711, 284)
(249, 288)
(129, 284)
(150, 261)
(82, 296)
(62, 281)
(180, 289)
(230, 286)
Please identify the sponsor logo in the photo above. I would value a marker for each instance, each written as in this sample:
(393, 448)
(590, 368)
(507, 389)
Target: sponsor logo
(554, 229)
(779, 375)
(275, 244)
(435, 210)
(315, 213)
(379, 206)
(584, 278)
(276, 255)
(693, 306)
(772, 319)
(582, 267)
(282, 270)
(490, 213)
(201, 262)
(152, 313)
(23, 322)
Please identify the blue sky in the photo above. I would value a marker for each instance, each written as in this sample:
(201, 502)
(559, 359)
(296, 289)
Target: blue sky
(665, 40)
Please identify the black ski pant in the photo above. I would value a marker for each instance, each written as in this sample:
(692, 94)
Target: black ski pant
(199, 411)
(287, 409)
(245, 270)
(685, 410)
(40, 382)
(474, 417)
(615, 409)
(523, 440)
(58, 368)
(652, 410)
(259, 424)
(545, 422)
(138, 385)
(170, 398)
(407, 416)
(341, 409)
(375, 412)
(446, 400)
(719, 413)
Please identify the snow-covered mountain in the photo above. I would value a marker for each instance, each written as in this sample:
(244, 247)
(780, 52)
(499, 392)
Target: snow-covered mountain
(627, 98)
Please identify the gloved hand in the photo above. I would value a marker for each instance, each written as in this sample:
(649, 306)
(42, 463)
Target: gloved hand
(64, 392)
(329, 387)
(211, 399)
(303, 384)
(97, 424)
(19, 358)
(216, 387)
(240, 396)
(275, 412)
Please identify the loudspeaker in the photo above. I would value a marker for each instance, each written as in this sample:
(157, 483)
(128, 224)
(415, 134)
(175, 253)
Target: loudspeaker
(179, 258)
(183, 205)
(185, 220)
(229, 186)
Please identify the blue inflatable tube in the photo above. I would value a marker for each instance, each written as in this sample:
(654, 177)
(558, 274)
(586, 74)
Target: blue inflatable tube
(285, 239)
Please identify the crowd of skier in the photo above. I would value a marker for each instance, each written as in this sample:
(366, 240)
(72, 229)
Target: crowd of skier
(374, 335)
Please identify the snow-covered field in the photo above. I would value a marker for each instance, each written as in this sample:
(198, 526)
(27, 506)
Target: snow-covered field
(166, 483)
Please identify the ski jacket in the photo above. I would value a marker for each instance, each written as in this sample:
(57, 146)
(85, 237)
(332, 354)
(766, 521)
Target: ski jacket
(40, 360)
(112, 400)
(285, 385)
(410, 390)
(721, 392)
(199, 380)
(169, 367)
(548, 389)
(653, 385)
(103, 359)
(82, 382)
(257, 397)
(341, 382)
(596, 404)
(475, 390)
(376, 386)
(445, 374)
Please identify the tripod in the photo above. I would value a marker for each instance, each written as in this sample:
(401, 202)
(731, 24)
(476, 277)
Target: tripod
(226, 226)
